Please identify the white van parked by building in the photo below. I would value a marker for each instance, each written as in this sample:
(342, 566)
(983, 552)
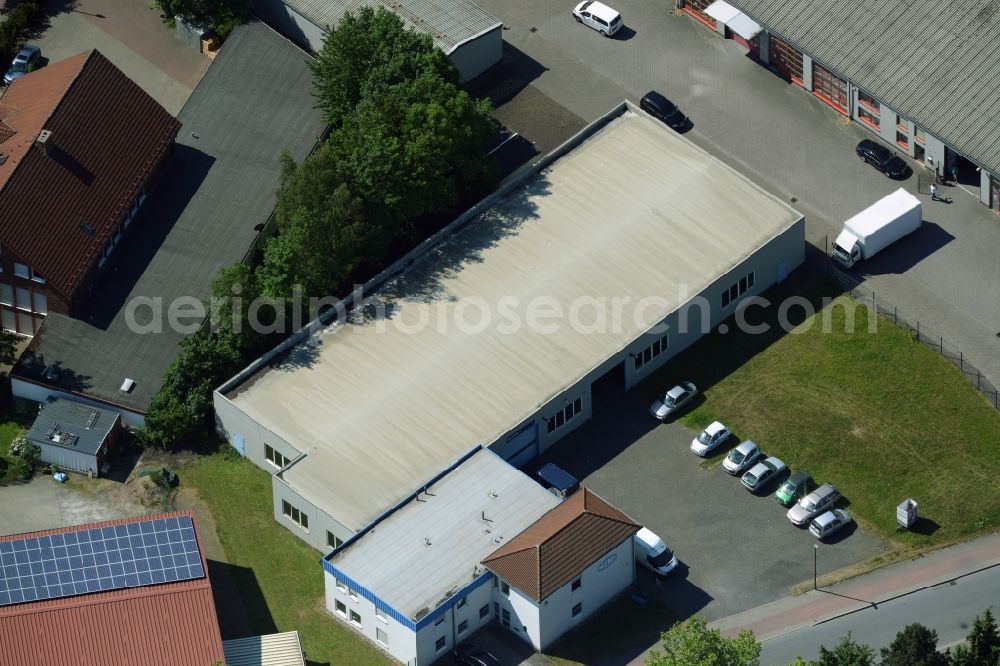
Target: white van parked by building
(652, 553)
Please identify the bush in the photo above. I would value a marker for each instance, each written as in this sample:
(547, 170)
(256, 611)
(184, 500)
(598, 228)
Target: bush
(24, 458)
(13, 26)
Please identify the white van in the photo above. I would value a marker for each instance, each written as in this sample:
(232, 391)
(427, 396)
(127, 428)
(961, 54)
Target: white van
(652, 553)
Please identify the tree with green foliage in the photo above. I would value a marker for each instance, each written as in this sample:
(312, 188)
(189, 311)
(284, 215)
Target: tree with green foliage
(365, 54)
(692, 643)
(915, 645)
(9, 340)
(222, 15)
(846, 653)
(982, 646)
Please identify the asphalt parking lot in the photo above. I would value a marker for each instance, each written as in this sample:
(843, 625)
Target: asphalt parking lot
(737, 550)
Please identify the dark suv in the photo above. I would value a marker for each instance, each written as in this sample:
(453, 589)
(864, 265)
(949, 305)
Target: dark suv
(881, 158)
(663, 110)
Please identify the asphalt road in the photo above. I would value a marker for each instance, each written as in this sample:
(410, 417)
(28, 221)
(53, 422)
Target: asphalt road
(949, 609)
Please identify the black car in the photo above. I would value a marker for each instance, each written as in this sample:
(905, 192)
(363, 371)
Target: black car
(470, 655)
(663, 110)
(881, 158)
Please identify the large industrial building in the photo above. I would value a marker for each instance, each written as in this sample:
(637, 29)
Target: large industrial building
(920, 76)
(606, 258)
(467, 33)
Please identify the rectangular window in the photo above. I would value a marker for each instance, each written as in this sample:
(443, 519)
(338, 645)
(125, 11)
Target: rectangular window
(332, 541)
(8, 320)
(484, 611)
(504, 588)
(869, 102)
(918, 135)
(6, 294)
(296, 516)
(352, 593)
(23, 299)
(734, 292)
(902, 124)
(440, 644)
(341, 607)
(381, 636)
(380, 614)
(355, 618)
(461, 602)
(274, 457)
(577, 609)
(20, 270)
(576, 584)
(737, 289)
(437, 622)
(743, 285)
(463, 627)
(725, 297)
(902, 140)
(41, 302)
(340, 585)
(868, 118)
(36, 277)
(750, 280)
(565, 415)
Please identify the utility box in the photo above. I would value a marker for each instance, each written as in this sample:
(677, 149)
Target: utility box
(906, 513)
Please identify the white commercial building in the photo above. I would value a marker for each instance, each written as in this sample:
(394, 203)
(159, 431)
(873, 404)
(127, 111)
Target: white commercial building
(482, 543)
(606, 258)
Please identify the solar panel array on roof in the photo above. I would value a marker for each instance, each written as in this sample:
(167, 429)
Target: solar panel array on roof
(97, 560)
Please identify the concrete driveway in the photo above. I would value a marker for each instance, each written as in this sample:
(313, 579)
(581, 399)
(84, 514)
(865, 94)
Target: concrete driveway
(778, 135)
(131, 35)
(43, 504)
(737, 550)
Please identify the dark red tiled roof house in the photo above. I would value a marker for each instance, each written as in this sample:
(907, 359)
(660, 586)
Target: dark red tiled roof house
(80, 146)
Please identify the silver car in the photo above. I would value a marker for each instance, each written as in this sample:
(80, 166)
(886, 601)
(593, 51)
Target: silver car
(826, 524)
(673, 400)
(820, 500)
(763, 473)
(742, 457)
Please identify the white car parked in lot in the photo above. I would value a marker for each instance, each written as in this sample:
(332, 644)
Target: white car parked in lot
(828, 523)
(710, 438)
(763, 473)
(742, 458)
(598, 16)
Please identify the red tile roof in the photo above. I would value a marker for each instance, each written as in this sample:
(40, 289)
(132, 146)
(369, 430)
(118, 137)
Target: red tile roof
(107, 136)
(172, 624)
(558, 546)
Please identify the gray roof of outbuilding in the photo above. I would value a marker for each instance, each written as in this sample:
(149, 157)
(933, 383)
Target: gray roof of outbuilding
(89, 425)
(933, 62)
(254, 101)
(448, 22)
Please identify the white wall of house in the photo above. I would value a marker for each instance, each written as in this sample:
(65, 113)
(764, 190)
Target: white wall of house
(518, 613)
(381, 629)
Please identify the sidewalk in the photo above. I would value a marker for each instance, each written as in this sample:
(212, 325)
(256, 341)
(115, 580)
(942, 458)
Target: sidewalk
(817, 606)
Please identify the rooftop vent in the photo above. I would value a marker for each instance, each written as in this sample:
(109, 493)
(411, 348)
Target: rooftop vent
(427, 541)
(127, 385)
(44, 139)
(92, 419)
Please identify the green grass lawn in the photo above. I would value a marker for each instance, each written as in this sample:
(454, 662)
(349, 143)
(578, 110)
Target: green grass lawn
(288, 571)
(880, 415)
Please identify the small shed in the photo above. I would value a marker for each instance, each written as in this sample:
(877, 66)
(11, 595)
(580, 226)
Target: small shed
(271, 650)
(75, 436)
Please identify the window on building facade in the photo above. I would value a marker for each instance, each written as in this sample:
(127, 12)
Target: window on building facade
(341, 607)
(41, 302)
(462, 602)
(867, 117)
(340, 585)
(918, 135)
(577, 584)
(504, 588)
(650, 352)
(463, 627)
(563, 416)
(577, 609)
(332, 541)
(738, 288)
(438, 622)
(902, 140)
(902, 123)
(440, 644)
(352, 593)
(484, 611)
(356, 618)
(866, 100)
(20, 270)
(380, 614)
(274, 457)
(296, 516)
(36, 277)
(6, 294)
(381, 636)
(23, 299)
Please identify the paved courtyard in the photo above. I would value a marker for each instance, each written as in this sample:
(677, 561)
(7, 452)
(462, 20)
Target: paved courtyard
(781, 137)
(43, 504)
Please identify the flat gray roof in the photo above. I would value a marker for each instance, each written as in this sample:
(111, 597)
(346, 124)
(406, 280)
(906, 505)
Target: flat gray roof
(448, 22)
(431, 547)
(634, 212)
(254, 101)
(72, 425)
(935, 63)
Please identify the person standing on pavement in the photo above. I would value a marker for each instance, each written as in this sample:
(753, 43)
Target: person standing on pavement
(934, 195)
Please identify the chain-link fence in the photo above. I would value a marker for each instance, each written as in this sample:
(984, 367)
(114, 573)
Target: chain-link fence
(917, 331)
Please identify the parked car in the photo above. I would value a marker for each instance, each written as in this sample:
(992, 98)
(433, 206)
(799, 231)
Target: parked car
(742, 457)
(652, 553)
(826, 524)
(795, 487)
(663, 110)
(558, 481)
(25, 61)
(673, 400)
(881, 158)
(820, 500)
(598, 16)
(763, 473)
(472, 655)
(710, 438)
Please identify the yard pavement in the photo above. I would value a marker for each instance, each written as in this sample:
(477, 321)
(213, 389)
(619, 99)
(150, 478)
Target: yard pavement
(781, 137)
(133, 37)
(43, 504)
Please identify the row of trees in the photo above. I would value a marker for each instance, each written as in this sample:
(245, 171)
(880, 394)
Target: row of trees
(405, 152)
(693, 643)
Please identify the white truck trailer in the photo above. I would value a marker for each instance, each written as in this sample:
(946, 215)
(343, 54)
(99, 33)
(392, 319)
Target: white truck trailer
(876, 227)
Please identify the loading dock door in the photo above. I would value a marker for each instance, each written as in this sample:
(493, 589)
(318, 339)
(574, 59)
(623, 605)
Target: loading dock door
(522, 446)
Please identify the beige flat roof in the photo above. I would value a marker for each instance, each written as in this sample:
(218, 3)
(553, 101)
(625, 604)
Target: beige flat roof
(634, 211)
